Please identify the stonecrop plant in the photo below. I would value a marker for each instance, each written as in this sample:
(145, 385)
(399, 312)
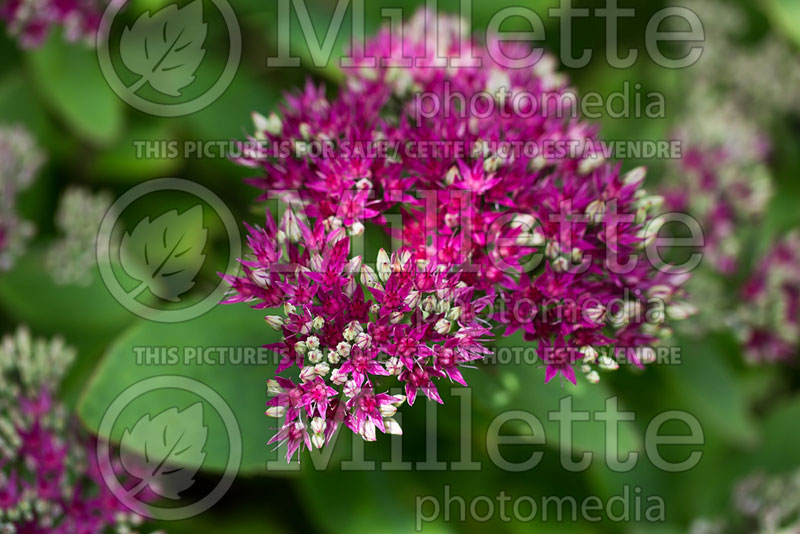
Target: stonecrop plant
(505, 214)
(31, 21)
(724, 181)
(71, 259)
(49, 478)
(20, 160)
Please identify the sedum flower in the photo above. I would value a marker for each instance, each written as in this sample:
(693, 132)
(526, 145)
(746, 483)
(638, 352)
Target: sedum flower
(71, 260)
(724, 181)
(767, 319)
(30, 21)
(531, 231)
(20, 160)
(761, 504)
(367, 331)
(49, 479)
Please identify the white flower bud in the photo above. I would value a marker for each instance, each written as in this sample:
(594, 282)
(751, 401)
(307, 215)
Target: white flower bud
(392, 427)
(595, 210)
(318, 322)
(388, 410)
(350, 287)
(369, 278)
(318, 425)
(333, 357)
(384, 265)
(322, 369)
(307, 373)
(428, 304)
(593, 377)
(394, 365)
(491, 164)
(363, 340)
(312, 342)
(635, 177)
(351, 389)
(343, 348)
(524, 221)
(450, 177)
(659, 292)
(338, 377)
(412, 299)
(261, 278)
(537, 164)
(291, 227)
(589, 354)
(289, 308)
(560, 264)
(318, 440)
(552, 250)
(443, 326)
(276, 411)
(648, 355)
(273, 387)
(680, 310)
(595, 314)
(300, 347)
(454, 314)
(352, 329)
(368, 431)
(607, 364)
(357, 229)
(315, 356)
(590, 163)
(354, 265)
(274, 321)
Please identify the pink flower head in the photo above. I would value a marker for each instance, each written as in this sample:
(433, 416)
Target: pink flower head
(49, 478)
(351, 330)
(31, 21)
(506, 212)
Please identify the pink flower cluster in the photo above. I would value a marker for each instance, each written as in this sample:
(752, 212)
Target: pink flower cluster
(20, 161)
(769, 318)
(346, 325)
(32, 20)
(50, 481)
(545, 237)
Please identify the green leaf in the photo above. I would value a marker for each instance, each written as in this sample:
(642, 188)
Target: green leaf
(129, 161)
(166, 254)
(173, 444)
(70, 81)
(704, 385)
(226, 330)
(779, 451)
(29, 294)
(785, 14)
(520, 386)
(166, 49)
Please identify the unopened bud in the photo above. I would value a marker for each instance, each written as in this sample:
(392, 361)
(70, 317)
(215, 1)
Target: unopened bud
(276, 411)
(315, 356)
(274, 321)
(442, 326)
(635, 177)
(384, 265)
